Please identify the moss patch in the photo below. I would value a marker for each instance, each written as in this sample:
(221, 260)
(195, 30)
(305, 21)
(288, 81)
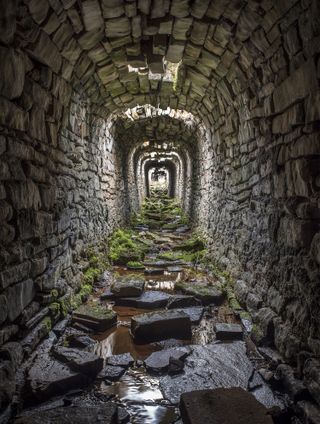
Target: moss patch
(91, 275)
(135, 265)
(95, 310)
(126, 246)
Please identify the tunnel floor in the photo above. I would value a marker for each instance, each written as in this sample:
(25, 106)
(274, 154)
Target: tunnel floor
(88, 372)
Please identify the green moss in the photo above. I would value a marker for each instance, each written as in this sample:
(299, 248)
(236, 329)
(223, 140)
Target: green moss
(171, 256)
(257, 334)
(198, 288)
(96, 310)
(55, 308)
(194, 244)
(125, 246)
(54, 293)
(91, 275)
(135, 264)
(65, 306)
(47, 323)
(78, 298)
(245, 315)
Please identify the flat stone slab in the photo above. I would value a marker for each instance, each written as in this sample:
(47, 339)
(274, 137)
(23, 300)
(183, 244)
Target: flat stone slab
(107, 295)
(162, 264)
(106, 413)
(195, 313)
(209, 367)
(183, 229)
(225, 331)
(208, 294)
(48, 377)
(79, 360)
(154, 271)
(182, 301)
(82, 342)
(158, 362)
(161, 325)
(175, 269)
(150, 299)
(127, 287)
(95, 316)
(124, 360)
(222, 406)
(111, 373)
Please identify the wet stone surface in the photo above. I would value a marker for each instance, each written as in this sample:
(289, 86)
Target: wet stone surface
(141, 340)
(161, 325)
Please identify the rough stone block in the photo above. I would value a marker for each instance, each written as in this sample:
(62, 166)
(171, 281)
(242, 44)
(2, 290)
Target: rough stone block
(7, 383)
(46, 52)
(12, 73)
(175, 51)
(25, 195)
(3, 308)
(8, 20)
(179, 8)
(297, 86)
(311, 374)
(91, 15)
(18, 297)
(161, 325)
(232, 406)
(225, 331)
(14, 274)
(119, 27)
(13, 116)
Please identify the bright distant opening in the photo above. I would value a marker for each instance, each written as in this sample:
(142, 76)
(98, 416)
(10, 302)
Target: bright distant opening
(159, 178)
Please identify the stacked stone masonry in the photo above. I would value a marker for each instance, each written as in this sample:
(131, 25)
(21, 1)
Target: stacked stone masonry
(231, 86)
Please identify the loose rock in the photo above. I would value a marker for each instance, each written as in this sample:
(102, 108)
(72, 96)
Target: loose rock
(161, 325)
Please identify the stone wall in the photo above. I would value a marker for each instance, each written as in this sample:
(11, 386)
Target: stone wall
(60, 193)
(260, 179)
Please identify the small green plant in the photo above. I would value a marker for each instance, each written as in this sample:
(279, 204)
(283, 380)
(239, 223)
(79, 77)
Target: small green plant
(54, 308)
(135, 265)
(81, 296)
(54, 293)
(91, 275)
(47, 323)
(65, 306)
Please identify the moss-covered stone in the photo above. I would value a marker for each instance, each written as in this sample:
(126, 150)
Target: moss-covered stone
(47, 323)
(201, 290)
(135, 265)
(91, 275)
(55, 309)
(257, 334)
(125, 246)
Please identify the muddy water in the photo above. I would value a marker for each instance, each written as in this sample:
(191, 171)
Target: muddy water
(137, 390)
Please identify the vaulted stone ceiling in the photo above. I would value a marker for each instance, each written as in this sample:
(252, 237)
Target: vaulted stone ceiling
(122, 52)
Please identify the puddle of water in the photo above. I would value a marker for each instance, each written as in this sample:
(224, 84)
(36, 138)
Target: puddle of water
(152, 414)
(118, 341)
(140, 392)
(135, 386)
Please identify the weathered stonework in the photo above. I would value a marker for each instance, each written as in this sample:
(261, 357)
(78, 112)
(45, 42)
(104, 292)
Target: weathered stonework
(245, 158)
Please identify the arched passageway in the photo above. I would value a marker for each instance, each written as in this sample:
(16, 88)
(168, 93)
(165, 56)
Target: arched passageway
(225, 93)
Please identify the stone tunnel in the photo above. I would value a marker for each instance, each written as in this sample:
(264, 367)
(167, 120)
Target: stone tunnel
(224, 94)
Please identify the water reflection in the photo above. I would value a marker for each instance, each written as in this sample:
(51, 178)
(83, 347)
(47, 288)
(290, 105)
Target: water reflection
(152, 414)
(140, 392)
(135, 386)
(121, 341)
